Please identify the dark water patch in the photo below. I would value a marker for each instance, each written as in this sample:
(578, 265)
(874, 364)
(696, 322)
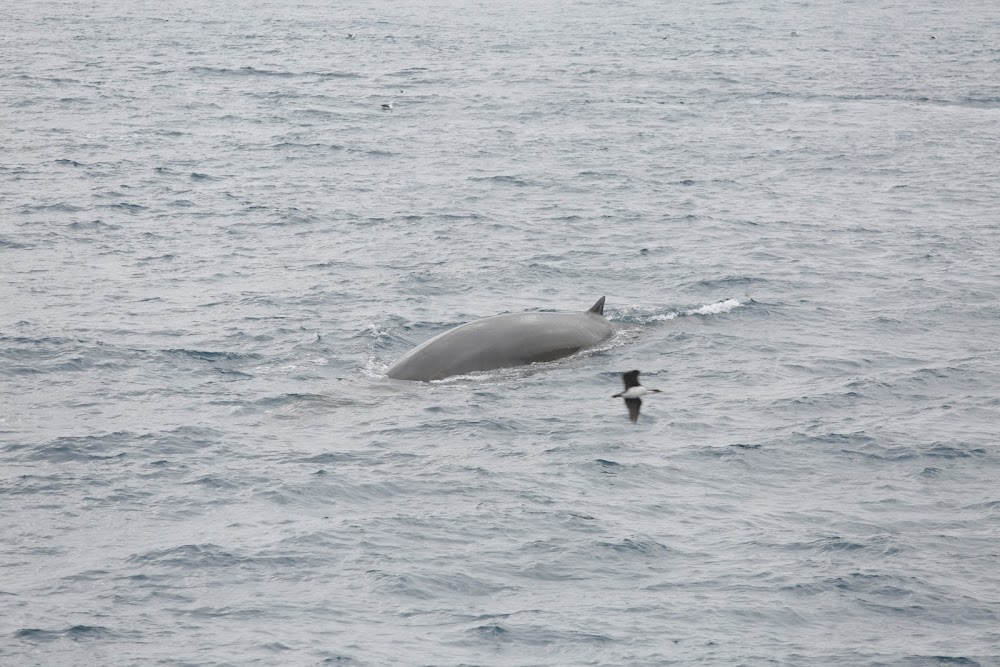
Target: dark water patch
(881, 586)
(52, 208)
(491, 631)
(460, 217)
(75, 633)
(895, 610)
(70, 163)
(941, 661)
(472, 424)
(856, 438)
(332, 458)
(79, 449)
(228, 613)
(32, 485)
(189, 556)
(283, 400)
(882, 544)
(214, 482)
(970, 101)
(409, 71)
(833, 543)
(249, 71)
(990, 505)
(111, 194)
(728, 282)
(27, 345)
(296, 217)
(48, 79)
(645, 547)
(501, 179)
(89, 575)
(96, 225)
(240, 71)
(7, 244)
(215, 357)
(425, 585)
(120, 445)
(601, 175)
(276, 647)
(126, 207)
(338, 659)
(873, 449)
(169, 257)
(952, 451)
(537, 636)
(291, 145)
(231, 374)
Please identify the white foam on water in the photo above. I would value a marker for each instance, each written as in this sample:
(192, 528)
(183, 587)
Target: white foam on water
(716, 308)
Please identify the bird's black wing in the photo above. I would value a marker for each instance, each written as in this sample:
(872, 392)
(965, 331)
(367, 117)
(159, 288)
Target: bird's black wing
(633, 405)
(631, 379)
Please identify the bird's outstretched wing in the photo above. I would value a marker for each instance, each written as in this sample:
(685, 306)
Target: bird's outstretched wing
(633, 405)
(631, 379)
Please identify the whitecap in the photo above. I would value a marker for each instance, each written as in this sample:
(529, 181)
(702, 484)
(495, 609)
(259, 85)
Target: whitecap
(716, 308)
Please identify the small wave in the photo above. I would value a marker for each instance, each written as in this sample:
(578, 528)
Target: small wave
(644, 315)
(503, 179)
(93, 225)
(213, 482)
(116, 445)
(334, 75)
(189, 555)
(293, 399)
(76, 632)
(254, 71)
(425, 585)
(68, 449)
(58, 208)
(637, 546)
(126, 206)
(205, 355)
(242, 71)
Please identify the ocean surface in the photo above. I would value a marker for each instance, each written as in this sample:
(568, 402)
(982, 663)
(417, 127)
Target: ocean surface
(214, 241)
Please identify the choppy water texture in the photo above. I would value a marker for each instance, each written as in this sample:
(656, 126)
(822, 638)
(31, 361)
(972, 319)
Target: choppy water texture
(213, 242)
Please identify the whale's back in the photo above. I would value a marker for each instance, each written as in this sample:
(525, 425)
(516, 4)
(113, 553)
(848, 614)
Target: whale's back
(501, 341)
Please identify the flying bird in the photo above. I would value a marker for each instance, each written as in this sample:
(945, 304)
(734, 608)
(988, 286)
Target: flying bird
(633, 390)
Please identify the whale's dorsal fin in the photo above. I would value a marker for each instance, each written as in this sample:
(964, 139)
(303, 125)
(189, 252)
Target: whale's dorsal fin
(598, 307)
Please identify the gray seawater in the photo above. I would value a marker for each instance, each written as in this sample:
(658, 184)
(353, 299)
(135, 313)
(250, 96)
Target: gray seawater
(213, 241)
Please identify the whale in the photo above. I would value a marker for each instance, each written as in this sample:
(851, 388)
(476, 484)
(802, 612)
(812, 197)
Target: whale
(503, 341)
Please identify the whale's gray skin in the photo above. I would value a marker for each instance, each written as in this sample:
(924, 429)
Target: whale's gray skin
(502, 341)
